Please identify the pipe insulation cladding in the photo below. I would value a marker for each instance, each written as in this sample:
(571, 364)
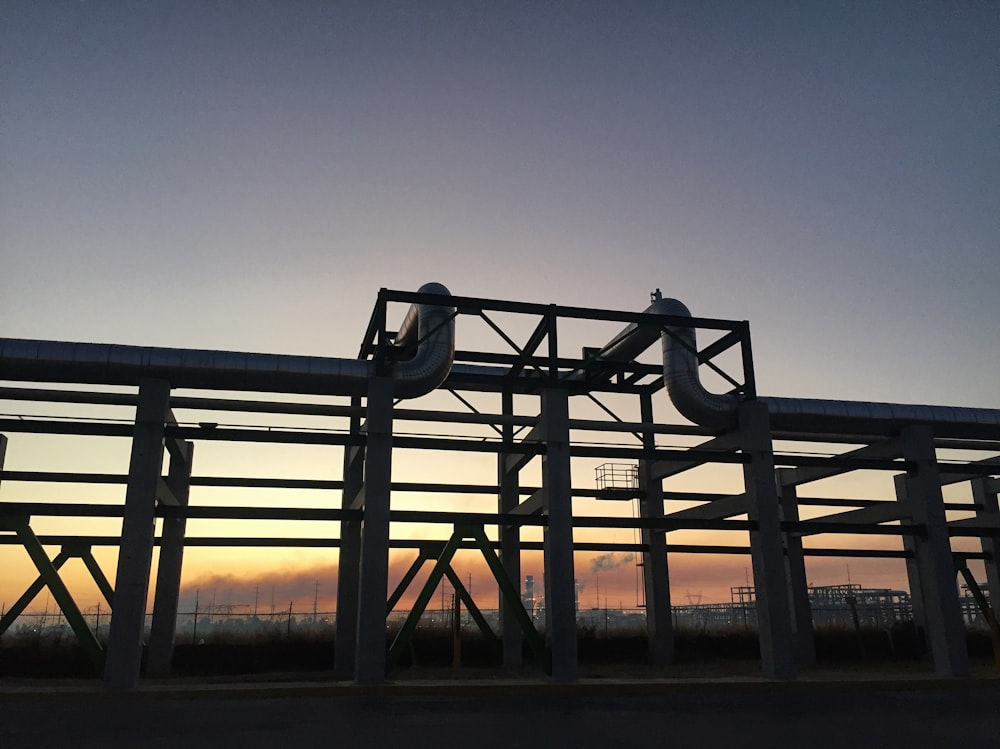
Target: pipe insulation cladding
(425, 348)
(422, 359)
(801, 415)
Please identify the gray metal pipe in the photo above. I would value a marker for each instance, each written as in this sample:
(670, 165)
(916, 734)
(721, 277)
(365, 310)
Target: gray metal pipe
(718, 411)
(426, 341)
(802, 415)
(680, 364)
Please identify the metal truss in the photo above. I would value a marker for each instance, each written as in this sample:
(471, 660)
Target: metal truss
(535, 369)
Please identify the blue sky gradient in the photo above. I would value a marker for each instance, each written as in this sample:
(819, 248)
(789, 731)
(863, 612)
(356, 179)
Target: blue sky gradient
(247, 175)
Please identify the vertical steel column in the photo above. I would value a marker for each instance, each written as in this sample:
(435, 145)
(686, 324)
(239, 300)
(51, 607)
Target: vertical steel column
(371, 634)
(984, 495)
(798, 585)
(655, 570)
(913, 574)
(135, 554)
(168, 571)
(921, 485)
(349, 559)
(3, 453)
(774, 617)
(510, 542)
(560, 582)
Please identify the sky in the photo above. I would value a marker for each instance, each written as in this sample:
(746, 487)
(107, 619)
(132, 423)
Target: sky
(247, 175)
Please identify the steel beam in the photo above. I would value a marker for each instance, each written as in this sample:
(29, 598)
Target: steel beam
(883, 512)
(135, 554)
(430, 550)
(510, 543)
(889, 449)
(717, 509)
(724, 443)
(655, 569)
(795, 568)
(349, 560)
(31, 592)
(984, 495)
(560, 583)
(465, 597)
(935, 566)
(979, 469)
(60, 593)
(370, 657)
(533, 505)
(519, 459)
(171, 561)
(510, 594)
(774, 615)
(405, 634)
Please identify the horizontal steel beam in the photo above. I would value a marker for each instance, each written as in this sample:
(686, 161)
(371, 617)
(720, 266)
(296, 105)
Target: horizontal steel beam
(873, 514)
(417, 544)
(473, 305)
(724, 443)
(726, 507)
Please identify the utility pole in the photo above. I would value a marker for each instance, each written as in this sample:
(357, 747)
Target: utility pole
(194, 630)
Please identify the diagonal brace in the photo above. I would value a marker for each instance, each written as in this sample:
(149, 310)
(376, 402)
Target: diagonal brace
(402, 640)
(61, 594)
(29, 595)
(470, 605)
(542, 654)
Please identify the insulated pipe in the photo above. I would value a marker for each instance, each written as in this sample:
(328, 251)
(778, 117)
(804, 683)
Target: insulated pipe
(680, 364)
(804, 415)
(680, 373)
(426, 341)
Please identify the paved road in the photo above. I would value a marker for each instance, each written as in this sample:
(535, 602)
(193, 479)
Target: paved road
(816, 716)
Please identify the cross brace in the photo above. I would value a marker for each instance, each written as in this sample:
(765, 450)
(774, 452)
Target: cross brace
(48, 575)
(443, 553)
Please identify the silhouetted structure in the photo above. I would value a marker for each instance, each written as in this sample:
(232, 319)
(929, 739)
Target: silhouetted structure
(548, 385)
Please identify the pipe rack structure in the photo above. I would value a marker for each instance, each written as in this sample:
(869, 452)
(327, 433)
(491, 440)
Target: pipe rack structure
(536, 390)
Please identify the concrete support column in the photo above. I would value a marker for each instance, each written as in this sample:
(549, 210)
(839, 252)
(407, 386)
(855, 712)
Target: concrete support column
(921, 485)
(135, 554)
(560, 581)
(374, 589)
(349, 559)
(655, 571)
(984, 495)
(913, 574)
(3, 451)
(168, 571)
(510, 543)
(795, 568)
(774, 616)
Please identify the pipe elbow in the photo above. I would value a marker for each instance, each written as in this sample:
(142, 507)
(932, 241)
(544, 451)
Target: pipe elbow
(428, 331)
(680, 373)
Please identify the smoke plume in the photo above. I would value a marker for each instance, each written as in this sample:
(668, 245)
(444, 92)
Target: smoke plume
(610, 561)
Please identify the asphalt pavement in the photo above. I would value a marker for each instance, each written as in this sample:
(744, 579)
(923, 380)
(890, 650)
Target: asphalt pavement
(758, 713)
